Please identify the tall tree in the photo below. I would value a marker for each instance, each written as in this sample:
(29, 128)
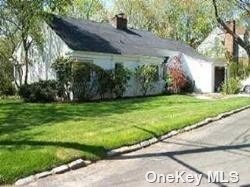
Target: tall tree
(244, 5)
(185, 20)
(23, 20)
(88, 9)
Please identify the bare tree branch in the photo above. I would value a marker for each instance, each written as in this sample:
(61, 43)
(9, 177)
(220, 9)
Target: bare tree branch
(237, 38)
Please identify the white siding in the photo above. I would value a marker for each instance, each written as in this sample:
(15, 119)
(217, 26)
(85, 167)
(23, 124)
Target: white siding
(201, 72)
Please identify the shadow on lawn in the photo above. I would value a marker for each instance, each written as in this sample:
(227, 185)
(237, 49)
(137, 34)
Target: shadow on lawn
(16, 116)
(98, 151)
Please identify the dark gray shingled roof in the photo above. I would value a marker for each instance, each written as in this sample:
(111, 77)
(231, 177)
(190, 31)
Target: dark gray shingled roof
(83, 35)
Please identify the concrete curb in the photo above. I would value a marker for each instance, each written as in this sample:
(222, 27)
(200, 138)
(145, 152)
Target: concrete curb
(79, 163)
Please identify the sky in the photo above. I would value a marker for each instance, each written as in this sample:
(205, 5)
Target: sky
(107, 3)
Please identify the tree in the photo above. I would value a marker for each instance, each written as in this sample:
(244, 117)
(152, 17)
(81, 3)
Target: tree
(6, 69)
(23, 20)
(244, 43)
(88, 9)
(185, 20)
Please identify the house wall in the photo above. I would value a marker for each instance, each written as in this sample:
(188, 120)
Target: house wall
(201, 71)
(213, 46)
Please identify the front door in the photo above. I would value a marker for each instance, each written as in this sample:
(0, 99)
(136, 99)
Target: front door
(219, 78)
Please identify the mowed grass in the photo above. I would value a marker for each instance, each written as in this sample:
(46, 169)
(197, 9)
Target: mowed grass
(36, 137)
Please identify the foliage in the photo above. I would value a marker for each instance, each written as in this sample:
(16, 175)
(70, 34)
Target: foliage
(120, 80)
(87, 80)
(146, 77)
(84, 85)
(178, 81)
(243, 42)
(88, 9)
(63, 69)
(105, 83)
(186, 20)
(238, 70)
(6, 78)
(6, 67)
(231, 86)
(23, 20)
(42, 91)
(6, 87)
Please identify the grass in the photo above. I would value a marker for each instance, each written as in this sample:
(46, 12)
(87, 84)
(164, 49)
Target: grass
(35, 137)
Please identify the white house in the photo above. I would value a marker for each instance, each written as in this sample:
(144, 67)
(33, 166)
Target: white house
(219, 41)
(106, 44)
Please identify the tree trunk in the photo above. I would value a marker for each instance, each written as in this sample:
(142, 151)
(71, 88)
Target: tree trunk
(237, 38)
(248, 55)
(26, 61)
(26, 47)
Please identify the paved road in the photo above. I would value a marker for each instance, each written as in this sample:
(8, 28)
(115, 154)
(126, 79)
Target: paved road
(220, 146)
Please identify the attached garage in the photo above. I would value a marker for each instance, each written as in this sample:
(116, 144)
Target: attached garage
(208, 74)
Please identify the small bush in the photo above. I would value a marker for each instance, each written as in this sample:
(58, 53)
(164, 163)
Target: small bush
(7, 88)
(176, 79)
(42, 91)
(231, 86)
(146, 76)
(120, 78)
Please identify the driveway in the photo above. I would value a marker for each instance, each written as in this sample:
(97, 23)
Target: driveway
(221, 146)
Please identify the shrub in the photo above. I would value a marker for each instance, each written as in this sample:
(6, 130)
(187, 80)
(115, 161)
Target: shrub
(6, 77)
(87, 80)
(42, 91)
(63, 69)
(231, 86)
(189, 86)
(7, 88)
(146, 76)
(120, 80)
(176, 79)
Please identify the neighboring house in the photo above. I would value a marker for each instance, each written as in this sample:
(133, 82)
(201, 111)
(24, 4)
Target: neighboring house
(108, 44)
(219, 41)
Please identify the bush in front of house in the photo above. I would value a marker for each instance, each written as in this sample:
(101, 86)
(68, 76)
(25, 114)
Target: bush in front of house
(63, 68)
(146, 76)
(120, 78)
(7, 88)
(87, 80)
(231, 86)
(176, 79)
(42, 91)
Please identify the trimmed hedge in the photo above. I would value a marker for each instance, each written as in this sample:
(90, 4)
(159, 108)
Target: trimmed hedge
(42, 91)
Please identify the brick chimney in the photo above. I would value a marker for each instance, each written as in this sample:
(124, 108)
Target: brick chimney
(230, 44)
(120, 21)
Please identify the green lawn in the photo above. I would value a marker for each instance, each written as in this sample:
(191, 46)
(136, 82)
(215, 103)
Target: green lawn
(35, 137)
